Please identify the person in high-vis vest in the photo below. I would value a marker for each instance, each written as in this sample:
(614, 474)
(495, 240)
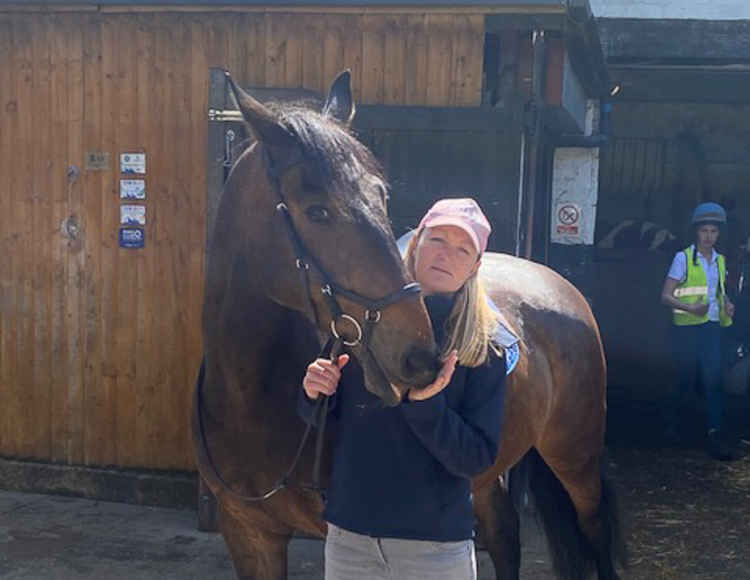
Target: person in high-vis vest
(695, 290)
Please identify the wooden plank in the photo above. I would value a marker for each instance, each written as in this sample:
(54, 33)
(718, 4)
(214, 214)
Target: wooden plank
(353, 52)
(396, 31)
(145, 259)
(312, 54)
(445, 7)
(237, 46)
(148, 382)
(415, 60)
(468, 56)
(7, 350)
(440, 59)
(373, 59)
(110, 266)
(217, 46)
(60, 418)
(176, 398)
(333, 61)
(167, 240)
(99, 406)
(127, 279)
(255, 57)
(293, 26)
(40, 242)
(76, 256)
(197, 224)
(275, 50)
(22, 170)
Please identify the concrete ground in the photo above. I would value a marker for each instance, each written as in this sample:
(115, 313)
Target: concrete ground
(46, 537)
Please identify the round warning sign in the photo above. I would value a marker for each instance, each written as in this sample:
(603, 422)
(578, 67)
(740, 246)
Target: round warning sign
(568, 217)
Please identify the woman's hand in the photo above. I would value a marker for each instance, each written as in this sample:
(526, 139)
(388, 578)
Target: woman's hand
(323, 376)
(442, 380)
(729, 307)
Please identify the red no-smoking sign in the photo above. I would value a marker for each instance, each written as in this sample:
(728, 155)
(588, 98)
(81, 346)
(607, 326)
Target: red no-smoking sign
(568, 216)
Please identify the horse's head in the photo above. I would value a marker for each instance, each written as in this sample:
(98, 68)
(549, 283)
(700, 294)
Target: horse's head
(315, 204)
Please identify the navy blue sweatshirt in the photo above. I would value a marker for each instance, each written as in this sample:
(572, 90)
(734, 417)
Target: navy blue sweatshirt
(404, 472)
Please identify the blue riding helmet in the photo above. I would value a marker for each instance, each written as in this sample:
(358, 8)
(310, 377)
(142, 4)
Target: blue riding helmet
(709, 212)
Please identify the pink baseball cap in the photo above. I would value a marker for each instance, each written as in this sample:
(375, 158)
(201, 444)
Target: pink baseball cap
(464, 213)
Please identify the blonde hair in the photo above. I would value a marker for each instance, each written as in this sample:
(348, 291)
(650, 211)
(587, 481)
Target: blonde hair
(472, 321)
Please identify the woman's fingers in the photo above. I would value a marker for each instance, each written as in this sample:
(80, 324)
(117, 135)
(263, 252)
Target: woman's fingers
(313, 386)
(446, 373)
(443, 379)
(323, 376)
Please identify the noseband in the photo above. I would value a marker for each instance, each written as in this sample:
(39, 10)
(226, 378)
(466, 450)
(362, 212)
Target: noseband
(304, 260)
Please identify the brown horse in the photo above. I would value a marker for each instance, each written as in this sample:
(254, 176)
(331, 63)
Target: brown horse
(304, 208)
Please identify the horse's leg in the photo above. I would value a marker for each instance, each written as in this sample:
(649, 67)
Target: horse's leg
(257, 554)
(593, 502)
(499, 529)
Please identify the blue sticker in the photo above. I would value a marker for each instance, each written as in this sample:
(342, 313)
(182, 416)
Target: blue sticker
(132, 237)
(512, 354)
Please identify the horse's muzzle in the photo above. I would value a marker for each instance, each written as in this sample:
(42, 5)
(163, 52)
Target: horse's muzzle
(420, 367)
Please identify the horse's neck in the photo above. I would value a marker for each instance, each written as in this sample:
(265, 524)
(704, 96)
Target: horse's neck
(262, 350)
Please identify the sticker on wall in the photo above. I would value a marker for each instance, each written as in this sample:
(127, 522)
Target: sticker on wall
(97, 161)
(132, 189)
(132, 238)
(133, 215)
(133, 163)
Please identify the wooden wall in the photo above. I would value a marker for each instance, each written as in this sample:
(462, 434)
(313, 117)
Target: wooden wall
(99, 345)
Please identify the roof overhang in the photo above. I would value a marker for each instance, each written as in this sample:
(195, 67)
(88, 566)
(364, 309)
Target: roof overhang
(679, 61)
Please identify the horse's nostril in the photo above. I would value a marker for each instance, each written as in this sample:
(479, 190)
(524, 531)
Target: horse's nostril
(420, 361)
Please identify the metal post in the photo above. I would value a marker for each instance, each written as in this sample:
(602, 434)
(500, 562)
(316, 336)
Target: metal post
(534, 136)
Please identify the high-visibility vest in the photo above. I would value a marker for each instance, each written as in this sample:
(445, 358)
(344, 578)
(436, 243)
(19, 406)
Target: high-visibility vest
(695, 289)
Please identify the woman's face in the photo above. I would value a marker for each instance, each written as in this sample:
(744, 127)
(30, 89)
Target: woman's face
(445, 257)
(707, 235)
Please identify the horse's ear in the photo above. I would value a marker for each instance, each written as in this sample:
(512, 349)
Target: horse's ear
(264, 124)
(340, 102)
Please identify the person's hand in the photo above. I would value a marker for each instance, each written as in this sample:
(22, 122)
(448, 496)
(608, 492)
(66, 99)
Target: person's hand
(699, 309)
(323, 376)
(729, 307)
(442, 380)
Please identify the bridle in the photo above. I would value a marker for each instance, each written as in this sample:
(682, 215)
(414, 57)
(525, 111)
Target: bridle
(305, 261)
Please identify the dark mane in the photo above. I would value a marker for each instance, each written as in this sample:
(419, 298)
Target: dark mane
(327, 144)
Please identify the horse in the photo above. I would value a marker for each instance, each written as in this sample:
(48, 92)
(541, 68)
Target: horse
(302, 249)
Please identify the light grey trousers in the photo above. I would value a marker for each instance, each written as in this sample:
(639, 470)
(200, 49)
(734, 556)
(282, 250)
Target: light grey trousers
(350, 556)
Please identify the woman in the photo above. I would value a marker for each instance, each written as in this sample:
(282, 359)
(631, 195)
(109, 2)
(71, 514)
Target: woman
(695, 289)
(399, 503)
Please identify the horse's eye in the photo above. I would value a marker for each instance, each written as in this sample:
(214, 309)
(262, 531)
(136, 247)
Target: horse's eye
(318, 213)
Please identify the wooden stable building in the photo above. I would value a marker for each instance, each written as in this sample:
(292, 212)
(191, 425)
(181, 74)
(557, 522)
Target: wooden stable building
(100, 342)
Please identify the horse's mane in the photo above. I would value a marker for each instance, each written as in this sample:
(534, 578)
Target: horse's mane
(325, 143)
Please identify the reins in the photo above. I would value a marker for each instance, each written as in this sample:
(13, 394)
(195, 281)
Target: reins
(320, 414)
